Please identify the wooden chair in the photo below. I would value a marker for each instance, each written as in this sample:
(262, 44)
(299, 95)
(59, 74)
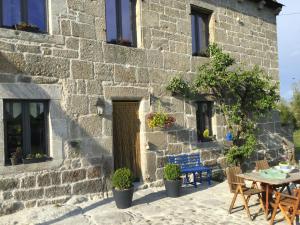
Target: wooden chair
(238, 187)
(288, 205)
(261, 165)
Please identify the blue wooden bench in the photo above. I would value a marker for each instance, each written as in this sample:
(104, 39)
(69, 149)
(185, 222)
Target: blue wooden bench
(191, 163)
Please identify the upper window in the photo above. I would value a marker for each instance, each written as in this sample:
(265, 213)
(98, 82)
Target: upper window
(200, 32)
(204, 115)
(120, 22)
(26, 130)
(27, 15)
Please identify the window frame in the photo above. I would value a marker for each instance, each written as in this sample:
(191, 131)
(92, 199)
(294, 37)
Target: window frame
(210, 105)
(26, 126)
(119, 26)
(24, 15)
(206, 15)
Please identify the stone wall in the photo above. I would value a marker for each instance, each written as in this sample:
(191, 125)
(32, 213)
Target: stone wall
(76, 57)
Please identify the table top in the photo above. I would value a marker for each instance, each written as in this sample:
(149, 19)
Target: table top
(255, 176)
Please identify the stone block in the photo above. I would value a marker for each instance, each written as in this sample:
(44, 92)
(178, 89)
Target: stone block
(47, 66)
(65, 26)
(123, 92)
(174, 149)
(159, 174)
(65, 53)
(85, 187)
(91, 50)
(160, 162)
(157, 140)
(12, 63)
(183, 135)
(22, 195)
(91, 126)
(155, 59)
(104, 72)
(77, 5)
(94, 87)
(28, 182)
(143, 75)
(172, 137)
(55, 178)
(55, 191)
(75, 163)
(7, 195)
(83, 30)
(100, 25)
(196, 62)
(92, 7)
(73, 175)
(125, 74)
(151, 166)
(205, 155)
(211, 162)
(94, 172)
(30, 204)
(5, 46)
(173, 61)
(9, 184)
(82, 69)
(28, 48)
(78, 104)
(72, 43)
(150, 19)
(43, 180)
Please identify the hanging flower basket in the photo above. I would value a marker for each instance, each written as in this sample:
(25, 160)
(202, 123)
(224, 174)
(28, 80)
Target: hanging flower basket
(160, 119)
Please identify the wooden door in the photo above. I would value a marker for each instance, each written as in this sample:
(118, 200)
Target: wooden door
(126, 136)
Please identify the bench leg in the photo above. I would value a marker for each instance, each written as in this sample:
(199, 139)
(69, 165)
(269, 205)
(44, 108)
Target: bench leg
(195, 183)
(187, 179)
(200, 174)
(209, 176)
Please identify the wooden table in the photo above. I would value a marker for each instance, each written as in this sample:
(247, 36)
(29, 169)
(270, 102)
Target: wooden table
(270, 183)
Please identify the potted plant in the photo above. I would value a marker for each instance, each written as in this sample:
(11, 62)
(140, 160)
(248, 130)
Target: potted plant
(206, 136)
(35, 158)
(160, 119)
(122, 182)
(16, 156)
(27, 27)
(172, 180)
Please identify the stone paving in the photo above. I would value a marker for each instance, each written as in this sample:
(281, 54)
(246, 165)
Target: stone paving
(203, 206)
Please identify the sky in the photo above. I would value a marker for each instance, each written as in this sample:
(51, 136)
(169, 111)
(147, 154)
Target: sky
(288, 27)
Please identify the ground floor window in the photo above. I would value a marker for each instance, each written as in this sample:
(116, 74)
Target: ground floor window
(204, 120)
(26, 129)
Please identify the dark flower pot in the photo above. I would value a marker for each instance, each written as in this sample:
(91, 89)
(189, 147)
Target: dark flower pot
(123, 198)
(173, 188)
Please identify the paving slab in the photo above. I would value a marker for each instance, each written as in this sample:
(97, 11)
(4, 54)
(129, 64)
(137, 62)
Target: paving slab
(203, 205)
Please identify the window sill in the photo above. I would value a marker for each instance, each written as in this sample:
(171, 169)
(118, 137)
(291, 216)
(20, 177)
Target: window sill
(30, 36)
(33, 167)
(120, 44)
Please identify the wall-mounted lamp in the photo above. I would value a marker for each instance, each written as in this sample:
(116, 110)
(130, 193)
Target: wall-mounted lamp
(100, 106)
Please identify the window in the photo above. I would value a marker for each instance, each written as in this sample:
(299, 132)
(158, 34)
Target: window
(26, 128)
(204, 120)
(120, 22)
(200, 31)
(30, 13)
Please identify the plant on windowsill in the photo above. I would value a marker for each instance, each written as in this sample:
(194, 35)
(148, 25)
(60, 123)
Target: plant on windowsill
(122, 182)
(172, 180)
(16, 156)
(27, 27)
(35, 158)
(206, 136)
(178, 86)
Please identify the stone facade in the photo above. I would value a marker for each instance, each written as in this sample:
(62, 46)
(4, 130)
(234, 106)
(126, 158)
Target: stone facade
(75, 59)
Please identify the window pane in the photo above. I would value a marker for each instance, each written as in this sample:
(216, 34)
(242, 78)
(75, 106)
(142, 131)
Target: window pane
(11, 12)
(126, 22)
(37, 127)
(200, 32)
(14, 131)
(111, 21)
(194, 39)
(37, 14)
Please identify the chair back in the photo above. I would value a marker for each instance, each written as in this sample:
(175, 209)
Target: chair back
(261, 165)
(232, 179)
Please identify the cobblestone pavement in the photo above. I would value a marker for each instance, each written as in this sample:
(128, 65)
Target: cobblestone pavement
(203, 205)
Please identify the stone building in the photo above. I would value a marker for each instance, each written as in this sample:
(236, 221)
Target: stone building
(78, 86)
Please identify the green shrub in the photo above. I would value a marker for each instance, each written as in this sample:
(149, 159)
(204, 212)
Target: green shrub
(172, 172)
(178, 85)
(122, 179)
